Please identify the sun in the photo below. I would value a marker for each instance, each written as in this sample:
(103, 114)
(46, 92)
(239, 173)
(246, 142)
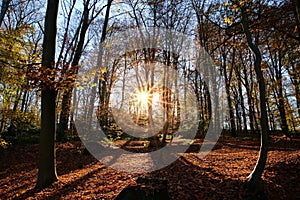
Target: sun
(142, 97)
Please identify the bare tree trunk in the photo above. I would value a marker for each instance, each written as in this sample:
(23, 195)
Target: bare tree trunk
(4, 8)
(166, 97)
(151, 92)
(237, 111)
(99, 64)
(24, 98)
(62, 128)
(271, 117)
(255, 176)
(73, 129)
(297, 91)
(229, 101)
(256, 105)
(47, 166)
(242, 100)
(296, 66)
(284, 125)
(123, 82)
(67, 95)
(249, 98)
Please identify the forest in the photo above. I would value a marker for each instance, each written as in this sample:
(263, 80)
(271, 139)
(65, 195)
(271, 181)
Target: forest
(149, 99)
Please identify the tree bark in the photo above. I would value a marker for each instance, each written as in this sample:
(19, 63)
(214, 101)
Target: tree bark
(284, 125)
(47, 166)
(249, 97)
(99, 64)
(228, 95)
(67, 96)
(4, 8)
(240, 90)
(255, 176)
(297, 91)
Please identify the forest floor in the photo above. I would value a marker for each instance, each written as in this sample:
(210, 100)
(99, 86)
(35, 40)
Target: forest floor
(219, 175)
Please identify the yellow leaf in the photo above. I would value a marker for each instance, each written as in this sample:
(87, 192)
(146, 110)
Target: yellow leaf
(104, 70)
(227, 20)
(235, 7)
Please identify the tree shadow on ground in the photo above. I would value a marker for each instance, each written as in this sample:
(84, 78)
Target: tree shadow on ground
(274, 144)
(282, 179)
(58, 192)
(189, 181)
(70, 158)
(189, 177)
(25, 158)
(18, 166)
(16, 159)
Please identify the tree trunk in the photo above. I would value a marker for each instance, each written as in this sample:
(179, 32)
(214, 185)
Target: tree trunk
(284, 125)
(271, 117)
(4, 8)
(249, 98)
(228, 95)
(240, 89)
(99, 64)
(278, 91)
(47, 167)
(255, 176)
(297, 91)
(24, 101)
(67, 96)
(64, 116)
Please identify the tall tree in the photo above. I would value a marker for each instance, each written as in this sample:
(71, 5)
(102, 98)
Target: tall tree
(99, 64)
(47, 166)
(255, 176)
(90, 12)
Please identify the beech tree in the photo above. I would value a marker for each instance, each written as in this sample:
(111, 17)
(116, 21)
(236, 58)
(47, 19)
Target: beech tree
(47, 166)
(255, 176)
